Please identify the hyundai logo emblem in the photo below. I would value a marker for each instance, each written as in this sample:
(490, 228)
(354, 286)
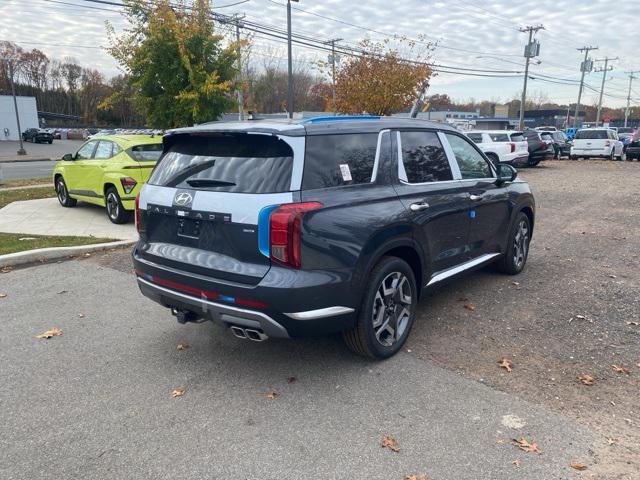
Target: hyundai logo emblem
(183, 199)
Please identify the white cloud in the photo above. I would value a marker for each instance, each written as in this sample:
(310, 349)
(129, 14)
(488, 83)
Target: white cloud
(484, 26)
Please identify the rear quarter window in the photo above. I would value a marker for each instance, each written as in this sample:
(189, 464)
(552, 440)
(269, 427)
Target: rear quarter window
(145, 153)
(499, 137)
(336, 160)
(517, 137)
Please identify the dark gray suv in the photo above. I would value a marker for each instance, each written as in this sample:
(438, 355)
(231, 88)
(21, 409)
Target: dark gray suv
(333, 224)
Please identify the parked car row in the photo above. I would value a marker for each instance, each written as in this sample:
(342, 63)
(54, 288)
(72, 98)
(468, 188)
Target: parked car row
(514, 147)
(37, 135)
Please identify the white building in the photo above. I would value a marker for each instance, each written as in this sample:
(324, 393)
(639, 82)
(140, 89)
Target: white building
(27, 110)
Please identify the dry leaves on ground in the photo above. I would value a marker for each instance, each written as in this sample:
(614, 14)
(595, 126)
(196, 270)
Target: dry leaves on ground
(470, 306)
(506, 364)
(177, 392)
(292, 380)
(6, 269)
(620, 369)
(416, 476)
(516, 463)
(578, 466)
(586, 379)
(611, 441)
(3, 295)
(54, 332)
(271, 394)
(633, 323)
(525, 446)
(390, 443)
(182, 346)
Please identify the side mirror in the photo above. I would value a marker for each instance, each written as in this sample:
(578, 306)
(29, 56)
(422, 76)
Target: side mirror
(506, 173)
(67, 157)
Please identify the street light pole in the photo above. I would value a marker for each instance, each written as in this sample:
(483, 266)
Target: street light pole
(239, 24)
(333, 70)
(21, 150)
(290, 62)
(626, 110)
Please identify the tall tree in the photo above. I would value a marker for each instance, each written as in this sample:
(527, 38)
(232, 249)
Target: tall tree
(380, 81)
(178, 68)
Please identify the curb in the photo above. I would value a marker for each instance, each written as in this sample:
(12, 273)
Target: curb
(26, 160)
(53, 253)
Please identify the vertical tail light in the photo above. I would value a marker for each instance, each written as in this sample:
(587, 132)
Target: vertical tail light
(136, 214)
(512, 146)
(284, 232)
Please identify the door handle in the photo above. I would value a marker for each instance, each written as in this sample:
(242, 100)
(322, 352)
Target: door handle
(417, 207)
(475, 198)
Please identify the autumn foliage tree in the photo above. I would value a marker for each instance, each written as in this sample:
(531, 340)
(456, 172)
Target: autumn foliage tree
(381, 81)
(178, 69)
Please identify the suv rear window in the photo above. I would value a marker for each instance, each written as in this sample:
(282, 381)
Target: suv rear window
(146, 153)
(228, 162)
(499, 137)
(517, 137)
(591, 134)
(330, 160)
(475, 137)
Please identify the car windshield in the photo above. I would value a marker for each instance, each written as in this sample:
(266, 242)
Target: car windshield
(591, 135)
(229, 162)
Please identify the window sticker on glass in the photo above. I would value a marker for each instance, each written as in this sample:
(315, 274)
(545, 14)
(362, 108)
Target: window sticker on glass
(346, 173)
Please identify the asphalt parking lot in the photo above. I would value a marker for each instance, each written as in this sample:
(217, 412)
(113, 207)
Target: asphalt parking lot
(96, 401)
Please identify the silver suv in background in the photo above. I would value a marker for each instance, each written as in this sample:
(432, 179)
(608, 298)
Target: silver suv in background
(503, 146)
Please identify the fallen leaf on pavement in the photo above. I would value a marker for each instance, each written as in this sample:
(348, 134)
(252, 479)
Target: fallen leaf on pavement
(586, 379)
(177, 392)
(506, 364)
(271, 394)
(292, 380)
(525, 446)
(6, 269)
(390, 443)
(416, 476)
(516, 463)
(581, 317)
(3, 295)
(578, 466)
(620, 369)
(613, 276)
(182, 346)
(516, 283)
(463, 299)
(633, 323)
(81, 315)
(611, 441)
(54, 332)
(470, 306)
(62, 291)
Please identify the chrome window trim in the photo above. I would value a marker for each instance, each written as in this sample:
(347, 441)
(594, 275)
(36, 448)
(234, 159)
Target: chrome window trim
(376, 161)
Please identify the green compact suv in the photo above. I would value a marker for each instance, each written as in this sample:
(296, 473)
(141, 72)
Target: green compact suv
(107, 171)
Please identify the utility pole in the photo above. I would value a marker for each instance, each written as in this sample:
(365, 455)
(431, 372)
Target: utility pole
(21, 150)
(532, 49)
(585, 66)
(239, 25)
(626, 110)
(604, 70)
(290, 105)
(333, 70)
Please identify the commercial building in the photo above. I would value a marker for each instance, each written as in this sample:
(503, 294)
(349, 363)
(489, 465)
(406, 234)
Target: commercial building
(27, 110)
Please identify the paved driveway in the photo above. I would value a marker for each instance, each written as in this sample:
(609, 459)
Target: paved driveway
(95, 402)
(58, 148)
(47, 217)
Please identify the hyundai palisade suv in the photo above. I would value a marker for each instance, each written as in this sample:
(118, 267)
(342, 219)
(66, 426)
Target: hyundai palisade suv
(325, 225)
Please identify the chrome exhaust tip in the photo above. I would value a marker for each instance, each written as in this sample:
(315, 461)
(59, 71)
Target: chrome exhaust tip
(238, 332)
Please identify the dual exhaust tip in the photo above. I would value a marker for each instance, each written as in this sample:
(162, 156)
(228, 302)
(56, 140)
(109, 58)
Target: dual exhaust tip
(248, 333)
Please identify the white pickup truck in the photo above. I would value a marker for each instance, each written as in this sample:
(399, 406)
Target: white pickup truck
(596, 142)
(504, 146)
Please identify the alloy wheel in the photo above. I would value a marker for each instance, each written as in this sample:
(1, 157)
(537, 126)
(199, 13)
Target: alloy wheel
(392, 306)
(112, 205)
(61, 191)
(521, 244)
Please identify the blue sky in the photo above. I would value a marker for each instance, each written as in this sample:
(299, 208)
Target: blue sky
(471, 34)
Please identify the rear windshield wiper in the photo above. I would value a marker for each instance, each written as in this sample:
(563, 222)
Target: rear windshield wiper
(204, 182)
(189, 172)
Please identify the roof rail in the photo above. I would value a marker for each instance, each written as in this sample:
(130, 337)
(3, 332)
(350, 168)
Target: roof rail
(340, 118)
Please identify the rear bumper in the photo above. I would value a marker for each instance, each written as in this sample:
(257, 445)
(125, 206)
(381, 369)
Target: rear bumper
(291, 307)
(591, 152)
(516, 159)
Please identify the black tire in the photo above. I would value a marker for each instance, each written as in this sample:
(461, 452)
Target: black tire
(115, 211)
(573, 157)
(533, 162)
(612, 157)
(557, 153)
(400, 302)
(515, 258)
(63, 194)
(50, 142)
